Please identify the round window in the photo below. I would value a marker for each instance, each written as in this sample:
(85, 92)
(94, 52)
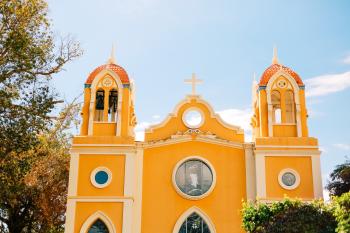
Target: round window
(289, 179)
(194, 178)
(193, 118)
(101, 177)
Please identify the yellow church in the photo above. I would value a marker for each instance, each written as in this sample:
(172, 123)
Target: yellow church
(192, 171)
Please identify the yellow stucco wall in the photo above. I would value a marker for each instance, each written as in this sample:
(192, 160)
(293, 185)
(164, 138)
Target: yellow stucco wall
(87, 163)
(162, 205)
(114, 211)
(301, 164)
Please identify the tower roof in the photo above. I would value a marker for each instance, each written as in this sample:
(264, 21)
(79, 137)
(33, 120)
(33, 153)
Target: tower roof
(273, 69)
(124, 78)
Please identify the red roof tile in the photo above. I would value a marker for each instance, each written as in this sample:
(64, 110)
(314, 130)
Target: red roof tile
(124, 78)
(274, 68)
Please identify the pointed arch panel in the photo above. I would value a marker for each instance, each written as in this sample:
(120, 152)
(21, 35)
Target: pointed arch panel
(97, 218)
(194, 220)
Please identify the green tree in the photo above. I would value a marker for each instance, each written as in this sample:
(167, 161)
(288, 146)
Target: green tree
(288, 216)
(342, 212)
(340, 179)
(29, 56)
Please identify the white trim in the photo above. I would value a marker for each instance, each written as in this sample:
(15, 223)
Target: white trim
(260, 175)
(96, 170)
(297, 178)
(102, 145)
(199, 138)
(285, 146)
(101, 199)
(250, 172)
(317, 176)
(129, 176)
(290, 153)
(138, 191)
(93, 87)
(211, 167)
(70, 216)
(184, 120)
(105, 151)
(187, 213)
(98, 215)
(73, 174)
(127, 217)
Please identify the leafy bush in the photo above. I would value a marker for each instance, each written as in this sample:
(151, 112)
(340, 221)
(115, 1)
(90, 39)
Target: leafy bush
(288, 216)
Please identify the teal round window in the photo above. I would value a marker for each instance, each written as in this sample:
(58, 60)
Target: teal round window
(101, 177)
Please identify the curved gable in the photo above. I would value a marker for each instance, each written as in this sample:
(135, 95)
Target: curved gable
(212, 126)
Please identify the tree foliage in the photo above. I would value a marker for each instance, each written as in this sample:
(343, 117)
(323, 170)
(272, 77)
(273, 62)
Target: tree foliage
(288, 216)
(33, 156)
(340, 179)
(342, 212)
(41, 190)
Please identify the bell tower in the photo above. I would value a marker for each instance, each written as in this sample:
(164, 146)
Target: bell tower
(103, 195)
(287, 159)
(108, 103)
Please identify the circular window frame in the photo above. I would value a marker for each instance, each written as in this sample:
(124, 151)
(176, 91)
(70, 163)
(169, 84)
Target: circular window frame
(193, 109)
(98, 169)
(189, 197)
(297, 179)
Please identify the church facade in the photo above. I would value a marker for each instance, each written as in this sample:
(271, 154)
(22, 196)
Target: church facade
(192, 171)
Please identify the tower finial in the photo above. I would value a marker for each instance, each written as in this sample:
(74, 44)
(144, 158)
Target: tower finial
(275, 58)
(111, 59)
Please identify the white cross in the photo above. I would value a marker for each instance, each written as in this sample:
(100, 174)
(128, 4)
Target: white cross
(193, 81)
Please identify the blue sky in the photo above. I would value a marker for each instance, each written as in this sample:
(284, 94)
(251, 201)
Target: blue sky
(160, 43)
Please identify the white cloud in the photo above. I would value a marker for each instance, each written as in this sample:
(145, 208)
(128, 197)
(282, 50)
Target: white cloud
(342, 146)
(326, 84)
(346, 60)
(238, 117)
(140, 130)
(323, 149)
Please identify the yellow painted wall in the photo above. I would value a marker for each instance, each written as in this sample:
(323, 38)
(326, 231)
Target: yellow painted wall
(84, 210)
(87, 163)
(284, 130)
(302, 164)
(162, 205)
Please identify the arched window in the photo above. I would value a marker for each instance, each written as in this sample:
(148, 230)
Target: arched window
(194, 224)
(98, 227)
(276, 107)
(99, 105)
(290, 107)
(112, 105)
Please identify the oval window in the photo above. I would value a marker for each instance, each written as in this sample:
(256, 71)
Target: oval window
(194, 178)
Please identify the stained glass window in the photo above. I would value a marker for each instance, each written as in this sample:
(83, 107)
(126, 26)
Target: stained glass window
(194, 177)
(98, 227)
(194, 224)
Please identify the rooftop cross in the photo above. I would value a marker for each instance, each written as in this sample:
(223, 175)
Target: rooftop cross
(193, 81)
